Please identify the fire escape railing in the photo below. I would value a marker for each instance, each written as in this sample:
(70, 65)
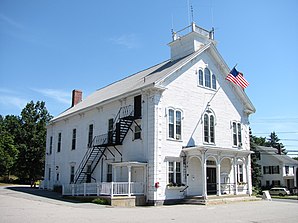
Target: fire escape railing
(101, 143)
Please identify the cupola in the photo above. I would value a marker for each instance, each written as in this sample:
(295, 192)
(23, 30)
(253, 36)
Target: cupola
(185, 44)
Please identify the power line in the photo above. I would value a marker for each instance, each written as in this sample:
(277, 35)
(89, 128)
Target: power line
(261, 133)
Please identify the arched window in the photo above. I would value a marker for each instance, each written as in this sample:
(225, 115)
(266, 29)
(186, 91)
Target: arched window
(213, 81)
(209, 128)
(207, 78)
(201, 80)
(206, 128)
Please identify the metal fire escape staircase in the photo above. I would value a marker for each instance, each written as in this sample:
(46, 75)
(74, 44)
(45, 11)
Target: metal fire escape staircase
(100, 144)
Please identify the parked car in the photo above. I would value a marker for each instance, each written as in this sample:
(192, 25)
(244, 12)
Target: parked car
(280, 191)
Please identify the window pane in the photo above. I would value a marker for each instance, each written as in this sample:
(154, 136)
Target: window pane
(74, 136)
(90, 135)
(201, 77)
(234, 134)
(171, 116)
(178, 178)
(212, 138)
(178, 125)
(206, 128)
(51, 144)
(171, 166)
(213, 81)
(207, 78)
(59, 142)
(171, 172)
(178, 167)
(171, 123)
(137, 132)
(239, 134)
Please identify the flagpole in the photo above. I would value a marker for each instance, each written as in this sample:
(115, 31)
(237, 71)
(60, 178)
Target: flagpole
(213, 96)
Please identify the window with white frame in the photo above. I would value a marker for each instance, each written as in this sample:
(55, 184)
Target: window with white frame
(209, 128)
(206, 78)
(237, 135)
(174, 124)
(240, 173)
(174, 173)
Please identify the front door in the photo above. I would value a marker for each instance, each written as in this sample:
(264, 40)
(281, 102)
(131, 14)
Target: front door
(211, 180)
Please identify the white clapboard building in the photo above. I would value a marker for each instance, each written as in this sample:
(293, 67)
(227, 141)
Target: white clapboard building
(175, 130)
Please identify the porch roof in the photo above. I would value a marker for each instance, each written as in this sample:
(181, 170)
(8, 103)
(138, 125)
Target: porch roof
(218, 150)
(129, 163)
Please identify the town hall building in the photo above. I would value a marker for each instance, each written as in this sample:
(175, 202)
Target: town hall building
(175, 130)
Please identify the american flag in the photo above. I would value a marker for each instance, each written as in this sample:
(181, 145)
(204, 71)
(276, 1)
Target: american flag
(237, 78)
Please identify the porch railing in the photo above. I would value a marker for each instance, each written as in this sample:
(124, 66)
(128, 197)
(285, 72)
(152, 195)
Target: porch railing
(104, 188)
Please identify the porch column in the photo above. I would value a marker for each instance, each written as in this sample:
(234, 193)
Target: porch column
(204, 175)
(235, 175)
(129, 180)
(218, 179)
(248, 175)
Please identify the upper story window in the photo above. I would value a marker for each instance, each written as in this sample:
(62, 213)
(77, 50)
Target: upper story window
(74, 138)
(59, 142)
(209, 128)
(207, 79)
(175, 124)
(270, 169)
(90, 135)
(51, 145)
(237, 136)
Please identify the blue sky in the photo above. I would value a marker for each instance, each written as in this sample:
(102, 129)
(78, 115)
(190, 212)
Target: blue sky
(49, 47)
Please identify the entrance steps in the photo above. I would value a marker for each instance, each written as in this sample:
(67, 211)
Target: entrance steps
(214, 199)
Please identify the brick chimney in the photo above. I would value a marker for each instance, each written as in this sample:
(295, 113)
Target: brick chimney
(76, 97)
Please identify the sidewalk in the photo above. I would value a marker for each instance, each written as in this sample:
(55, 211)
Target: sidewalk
(33, 205)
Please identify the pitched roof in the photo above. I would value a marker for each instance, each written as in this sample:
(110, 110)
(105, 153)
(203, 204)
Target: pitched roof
(282, 158)
(148, 78)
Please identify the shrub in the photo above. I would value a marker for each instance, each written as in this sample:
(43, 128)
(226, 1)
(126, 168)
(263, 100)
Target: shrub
(100, 201)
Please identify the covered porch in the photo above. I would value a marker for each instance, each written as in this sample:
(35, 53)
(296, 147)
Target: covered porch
(128, 179)
(217, 171)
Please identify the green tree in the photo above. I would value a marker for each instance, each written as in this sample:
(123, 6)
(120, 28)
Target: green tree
(32, 141)
(8, 150)
(273, 141)
(256, 172)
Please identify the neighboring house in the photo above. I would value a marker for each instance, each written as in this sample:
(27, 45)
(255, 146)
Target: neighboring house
(277, 169)
(176, 129)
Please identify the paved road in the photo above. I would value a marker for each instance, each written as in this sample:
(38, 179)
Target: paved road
(33, 205)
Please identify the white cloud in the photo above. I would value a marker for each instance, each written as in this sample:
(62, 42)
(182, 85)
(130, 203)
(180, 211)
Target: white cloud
(129, 41)
(58, 95)
(15, 101)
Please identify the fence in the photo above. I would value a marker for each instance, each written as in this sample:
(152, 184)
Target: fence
(104, 188)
